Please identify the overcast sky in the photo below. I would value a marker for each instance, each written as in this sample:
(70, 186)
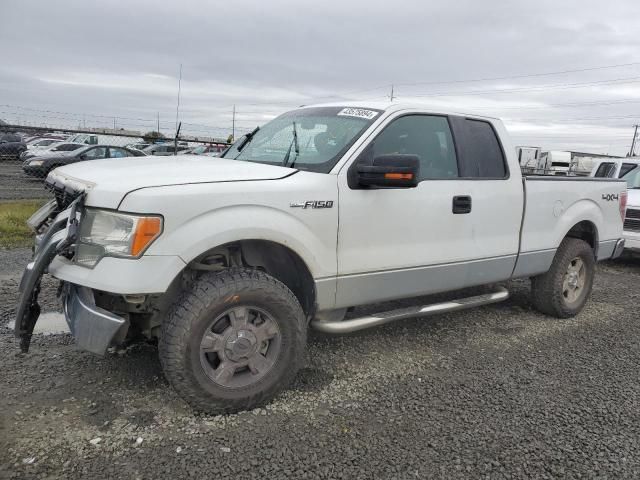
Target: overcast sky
(69, 62)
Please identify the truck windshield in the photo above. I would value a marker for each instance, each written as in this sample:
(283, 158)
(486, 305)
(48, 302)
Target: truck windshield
(633, 178)
(311, 139)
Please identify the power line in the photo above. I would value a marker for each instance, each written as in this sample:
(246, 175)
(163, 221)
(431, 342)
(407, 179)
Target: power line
(572, 104)
(445, 82)
(554, 119)
(527, 75)
(616, 81)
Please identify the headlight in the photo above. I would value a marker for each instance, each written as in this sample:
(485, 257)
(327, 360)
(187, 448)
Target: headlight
(35, 163)
(111, 234)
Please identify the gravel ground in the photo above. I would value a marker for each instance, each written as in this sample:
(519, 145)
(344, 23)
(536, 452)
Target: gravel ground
(15, 185)
(497, 392)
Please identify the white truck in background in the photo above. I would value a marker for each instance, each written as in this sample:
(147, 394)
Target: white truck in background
(627, 169)
(561, 162)
(229, 262)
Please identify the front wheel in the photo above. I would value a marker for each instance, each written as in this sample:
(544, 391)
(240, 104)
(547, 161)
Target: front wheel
(233, 341)
(563, 291)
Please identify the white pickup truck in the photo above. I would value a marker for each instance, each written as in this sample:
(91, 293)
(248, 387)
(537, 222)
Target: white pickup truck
(229, 261)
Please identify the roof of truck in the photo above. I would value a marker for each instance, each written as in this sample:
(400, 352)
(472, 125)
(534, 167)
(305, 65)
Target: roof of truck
(389, 106)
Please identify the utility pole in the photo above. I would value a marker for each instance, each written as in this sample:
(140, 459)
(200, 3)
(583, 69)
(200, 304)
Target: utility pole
(114, 123)
(633, 143)
(233, 124)
(158, 129)
(179, 87)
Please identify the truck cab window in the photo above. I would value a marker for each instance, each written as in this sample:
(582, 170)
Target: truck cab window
(426, 136)
(481, 155)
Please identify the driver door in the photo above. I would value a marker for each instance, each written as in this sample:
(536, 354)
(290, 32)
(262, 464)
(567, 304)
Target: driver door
(438, 236)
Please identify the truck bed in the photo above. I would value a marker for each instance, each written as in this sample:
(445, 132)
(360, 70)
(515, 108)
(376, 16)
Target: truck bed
(552, 203)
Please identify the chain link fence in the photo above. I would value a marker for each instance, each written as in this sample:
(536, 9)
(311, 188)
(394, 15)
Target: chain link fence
(28, 154)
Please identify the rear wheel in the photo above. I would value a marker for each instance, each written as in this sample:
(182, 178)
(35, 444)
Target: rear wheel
(233, 341)
(564, 290)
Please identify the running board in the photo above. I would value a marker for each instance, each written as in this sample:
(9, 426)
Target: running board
(355, 324)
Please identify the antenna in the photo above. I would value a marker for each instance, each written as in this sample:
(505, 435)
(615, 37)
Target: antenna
(392, 96)
(178, 105)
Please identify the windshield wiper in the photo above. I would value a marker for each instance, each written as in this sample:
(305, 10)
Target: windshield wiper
(247, 138)
(294, 143)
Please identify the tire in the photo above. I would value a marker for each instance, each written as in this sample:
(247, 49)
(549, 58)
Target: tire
(553, 293)
(218, 368)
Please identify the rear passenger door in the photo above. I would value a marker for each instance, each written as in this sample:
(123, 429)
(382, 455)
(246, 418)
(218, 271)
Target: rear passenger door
(498, 197)
(459, 227)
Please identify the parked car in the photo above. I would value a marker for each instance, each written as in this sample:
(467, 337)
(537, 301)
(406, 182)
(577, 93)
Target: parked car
(48, 136)
(41, 166)
(102, 139)
(164, 149)
(53, 148)
(322, 209)
(208, 150)
(138, 146)
(632, 217)
(11, 146)
(42, 144)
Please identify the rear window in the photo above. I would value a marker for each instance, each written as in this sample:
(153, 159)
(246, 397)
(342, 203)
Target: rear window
(480, 152)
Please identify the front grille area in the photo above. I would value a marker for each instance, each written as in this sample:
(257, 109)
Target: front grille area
(63, 195)
(632, 220)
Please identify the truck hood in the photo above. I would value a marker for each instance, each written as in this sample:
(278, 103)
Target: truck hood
(108, 181)
(633, 197)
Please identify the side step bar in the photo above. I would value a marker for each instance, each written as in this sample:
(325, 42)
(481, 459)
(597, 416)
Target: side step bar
(355, 324)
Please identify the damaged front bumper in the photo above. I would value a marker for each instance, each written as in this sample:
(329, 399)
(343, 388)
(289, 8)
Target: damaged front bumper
(59, 236)
(93, 327)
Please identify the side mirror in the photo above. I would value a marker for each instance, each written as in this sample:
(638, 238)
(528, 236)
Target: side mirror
(390, 171)
(83, 157)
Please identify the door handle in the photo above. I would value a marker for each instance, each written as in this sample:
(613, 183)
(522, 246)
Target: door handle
(461, 204)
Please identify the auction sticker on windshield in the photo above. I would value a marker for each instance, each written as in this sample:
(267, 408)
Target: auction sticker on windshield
(358, 112)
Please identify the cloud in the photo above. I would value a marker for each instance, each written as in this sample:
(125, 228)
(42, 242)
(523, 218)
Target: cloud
(89, 61)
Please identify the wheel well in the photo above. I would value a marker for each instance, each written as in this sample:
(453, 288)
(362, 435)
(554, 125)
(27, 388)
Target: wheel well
(277, 260)
(586, 231)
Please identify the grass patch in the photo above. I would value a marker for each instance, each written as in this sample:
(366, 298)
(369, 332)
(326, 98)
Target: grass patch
(14, 231)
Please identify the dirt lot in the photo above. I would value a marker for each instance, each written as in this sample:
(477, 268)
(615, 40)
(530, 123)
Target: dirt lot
(498, 392)
(15, 185)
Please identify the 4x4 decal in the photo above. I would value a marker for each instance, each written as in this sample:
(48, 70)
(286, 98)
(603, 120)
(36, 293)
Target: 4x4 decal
(610, 197)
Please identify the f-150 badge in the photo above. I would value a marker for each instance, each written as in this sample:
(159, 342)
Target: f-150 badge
(312, 204)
